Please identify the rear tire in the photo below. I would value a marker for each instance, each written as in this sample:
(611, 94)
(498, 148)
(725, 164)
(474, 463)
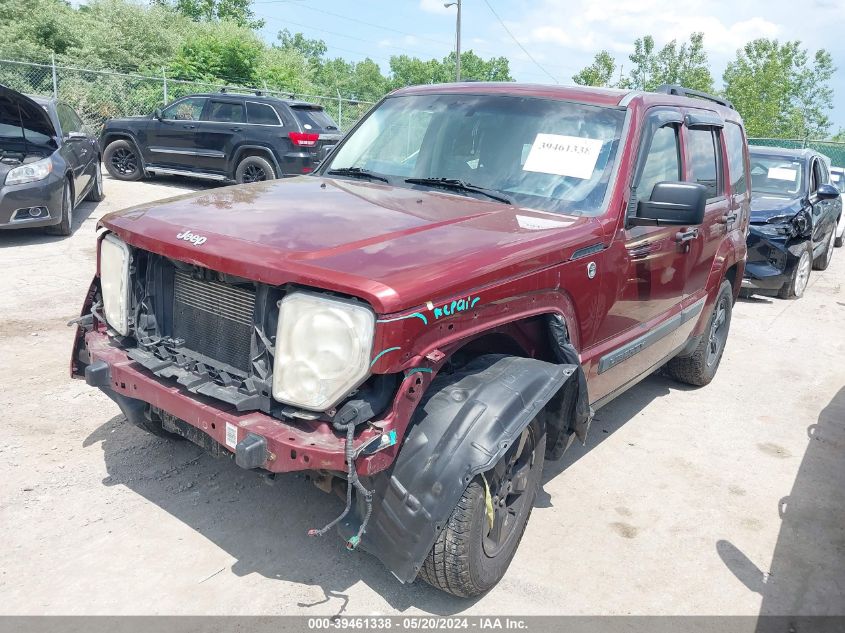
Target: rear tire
(65, 227)
(838, 241)
(95, 194)
(797, 284)
(469, 557)
(254, 169)
(700, 367)
(122, 161)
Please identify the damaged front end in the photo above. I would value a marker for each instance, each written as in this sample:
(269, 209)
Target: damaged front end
(775, 245)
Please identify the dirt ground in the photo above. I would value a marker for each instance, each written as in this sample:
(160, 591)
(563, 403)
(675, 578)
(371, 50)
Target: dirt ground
(724, 500)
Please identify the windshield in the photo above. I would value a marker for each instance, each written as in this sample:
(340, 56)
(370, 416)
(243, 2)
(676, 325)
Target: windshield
(776, 175)
(543, 154)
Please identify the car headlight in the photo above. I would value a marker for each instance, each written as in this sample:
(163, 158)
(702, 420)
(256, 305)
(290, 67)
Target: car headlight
(31, 172)
(323, 349)
(114, 282)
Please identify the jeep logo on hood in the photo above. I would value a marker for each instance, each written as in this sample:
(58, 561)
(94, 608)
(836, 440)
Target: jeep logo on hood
(196, 240)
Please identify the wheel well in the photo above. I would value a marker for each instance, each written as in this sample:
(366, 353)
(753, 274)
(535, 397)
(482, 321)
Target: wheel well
(730, 275)
(255, 151)
(117, 136)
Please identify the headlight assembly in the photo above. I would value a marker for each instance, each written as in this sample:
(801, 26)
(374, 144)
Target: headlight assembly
(31, 172)
(114, 282)
(323, 349)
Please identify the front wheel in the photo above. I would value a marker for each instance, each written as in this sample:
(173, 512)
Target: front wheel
(96, 193)
(122, 161)
(65, 226)
(823, 260)
(700, 367)
(475, 548)
(797, 284)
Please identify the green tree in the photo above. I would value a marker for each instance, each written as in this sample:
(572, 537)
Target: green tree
(685, 65)
(780, 90)
(410, 71)
(312, 50)
(599, 73)
(219, 52)
(237, 11)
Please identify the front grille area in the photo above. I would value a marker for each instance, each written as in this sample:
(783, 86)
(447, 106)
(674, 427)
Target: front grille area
(214, 319)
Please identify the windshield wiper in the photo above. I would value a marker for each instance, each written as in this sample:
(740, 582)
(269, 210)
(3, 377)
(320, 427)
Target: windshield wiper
(458, 185)
(356, 172)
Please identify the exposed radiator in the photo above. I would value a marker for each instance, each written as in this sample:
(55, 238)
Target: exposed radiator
(214, 319)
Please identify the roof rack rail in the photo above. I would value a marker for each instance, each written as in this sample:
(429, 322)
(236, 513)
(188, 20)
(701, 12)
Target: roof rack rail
(673, 89)
(257, 93)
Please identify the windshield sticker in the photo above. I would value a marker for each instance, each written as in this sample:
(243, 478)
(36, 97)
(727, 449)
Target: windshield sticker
(539, 224)
(782, 173)
(571, 156)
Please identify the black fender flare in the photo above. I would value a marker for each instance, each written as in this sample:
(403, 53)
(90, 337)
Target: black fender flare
(462, 427)
(109, 136)
(266, 151)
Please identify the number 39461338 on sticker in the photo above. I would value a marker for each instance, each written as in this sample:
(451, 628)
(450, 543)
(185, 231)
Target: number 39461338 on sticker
(571, 156)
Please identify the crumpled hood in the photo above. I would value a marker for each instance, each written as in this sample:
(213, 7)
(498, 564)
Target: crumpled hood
(765, 207)
(15, 107)
(395, 247)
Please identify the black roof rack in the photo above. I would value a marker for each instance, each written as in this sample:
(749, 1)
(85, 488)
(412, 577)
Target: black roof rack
(257, 93)
(671, 89)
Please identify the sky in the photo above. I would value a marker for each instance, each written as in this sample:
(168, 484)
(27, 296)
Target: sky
(562, 36)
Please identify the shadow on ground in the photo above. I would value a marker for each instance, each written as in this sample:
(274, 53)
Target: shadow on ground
(264, 526)
(807, 572)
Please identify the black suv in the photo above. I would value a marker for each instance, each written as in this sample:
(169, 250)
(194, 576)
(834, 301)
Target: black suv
(220, 136)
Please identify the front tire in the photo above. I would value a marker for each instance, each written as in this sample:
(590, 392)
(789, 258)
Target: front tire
(254, 169)
(823, 260)
(797, 284)
(122, 161)
(470, 555)
(65, 227)
(700, 367)
(96, 193)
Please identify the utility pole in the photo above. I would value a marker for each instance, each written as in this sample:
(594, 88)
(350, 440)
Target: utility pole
(457, 3)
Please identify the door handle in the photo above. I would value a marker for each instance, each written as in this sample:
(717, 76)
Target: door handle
(641, 251)
(189, 127)
(730, 218)
(686, 236)
(236, 129)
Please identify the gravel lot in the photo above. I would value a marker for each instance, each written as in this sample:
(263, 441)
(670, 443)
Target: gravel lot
(723, 500)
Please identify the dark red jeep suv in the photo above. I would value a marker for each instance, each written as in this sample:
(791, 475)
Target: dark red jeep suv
(437, 310)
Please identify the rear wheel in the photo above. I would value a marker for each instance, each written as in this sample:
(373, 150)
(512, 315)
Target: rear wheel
(700, 367)
(797, 284)
(65, 227)
(122, 161)
(475, 548)
(823, 260)
(254, 169)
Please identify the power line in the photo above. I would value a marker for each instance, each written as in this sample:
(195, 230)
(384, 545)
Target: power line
(524, 50)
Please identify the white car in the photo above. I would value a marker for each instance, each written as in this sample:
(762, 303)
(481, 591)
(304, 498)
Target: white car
(837, 177)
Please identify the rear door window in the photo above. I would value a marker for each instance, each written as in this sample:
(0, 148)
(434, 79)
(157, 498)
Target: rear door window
(702, 145)
(313, 118)
(737, 163)
(261, 114)
(226, 112)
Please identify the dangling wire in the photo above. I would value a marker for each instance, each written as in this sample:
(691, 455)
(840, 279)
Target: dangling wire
(352, 481)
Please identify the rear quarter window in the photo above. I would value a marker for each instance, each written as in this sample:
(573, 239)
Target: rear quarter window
(261, 114)
(314, 118)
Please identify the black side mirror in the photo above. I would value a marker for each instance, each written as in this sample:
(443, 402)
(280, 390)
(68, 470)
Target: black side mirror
(672, 203)
(827, 192)
(157, 114)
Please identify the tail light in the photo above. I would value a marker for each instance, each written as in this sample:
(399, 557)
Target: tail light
(303, 139)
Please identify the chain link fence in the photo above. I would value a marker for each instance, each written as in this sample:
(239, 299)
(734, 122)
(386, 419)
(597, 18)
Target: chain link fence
(98, 95)
(832, 149)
